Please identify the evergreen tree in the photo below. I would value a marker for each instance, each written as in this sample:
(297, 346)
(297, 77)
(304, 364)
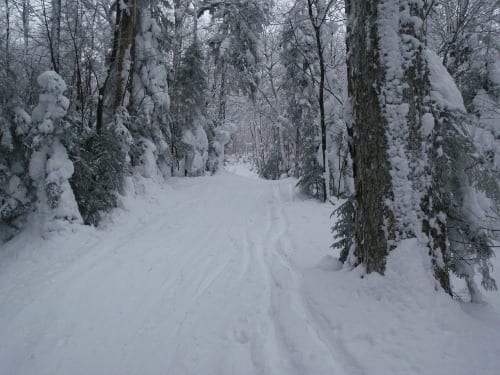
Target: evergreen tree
(49, 166)
(100, 169)
(466, 35)
(236, 42)
(300, 63)
(16, 197)
(310, 170)
(149, 101)
(296, 81)
(190, 142)
(468, 182)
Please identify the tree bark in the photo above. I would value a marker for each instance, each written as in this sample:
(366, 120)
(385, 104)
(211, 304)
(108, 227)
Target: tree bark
(372, 181)
(397, 192)
(316, 24)
(56, 34)
(7, 36)
(26, 22)
(125, 45)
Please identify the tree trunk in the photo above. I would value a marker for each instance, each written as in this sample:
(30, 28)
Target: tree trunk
(316, 24)
(103, 90)
(396, 190)
(124, 57)
(26, 23)
(372, 181)
(56, 34)
(222, 94)
(7, 35)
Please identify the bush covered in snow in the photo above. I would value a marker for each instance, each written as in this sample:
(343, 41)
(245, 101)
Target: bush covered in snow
(99, 171)
(50, 167)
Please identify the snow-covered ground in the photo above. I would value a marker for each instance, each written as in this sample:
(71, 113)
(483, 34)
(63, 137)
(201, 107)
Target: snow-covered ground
(228, 274)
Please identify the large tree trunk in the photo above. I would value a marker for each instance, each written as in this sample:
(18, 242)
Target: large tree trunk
(372, 181)
(112, 93)
(396, 192)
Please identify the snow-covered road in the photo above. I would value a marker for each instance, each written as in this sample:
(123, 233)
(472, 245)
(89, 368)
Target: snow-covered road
(199, 284)
(215, 275)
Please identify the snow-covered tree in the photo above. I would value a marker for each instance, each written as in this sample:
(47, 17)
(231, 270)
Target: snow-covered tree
(466, 35)
(49, 166)
(15, 192)
(235, 44)
(470, 194)
(404, 108)
(149, 100)
(189, 139)
(300, 62)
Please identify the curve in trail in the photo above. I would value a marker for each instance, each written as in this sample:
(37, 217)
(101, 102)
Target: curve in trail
(200, 285)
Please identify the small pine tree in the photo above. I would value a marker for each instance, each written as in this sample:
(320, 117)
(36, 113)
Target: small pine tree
(16, 197)
(343, 229)
(50, 167)
(270, 170)
(100, 168)
(310, 171)
(467, 178)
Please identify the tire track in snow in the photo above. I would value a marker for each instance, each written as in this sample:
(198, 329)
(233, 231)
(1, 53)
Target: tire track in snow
(212, 291)
(314, 320)
(301, 341)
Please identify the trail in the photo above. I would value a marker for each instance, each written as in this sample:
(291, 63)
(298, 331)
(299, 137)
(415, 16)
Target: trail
(225, 274)
(199, 287)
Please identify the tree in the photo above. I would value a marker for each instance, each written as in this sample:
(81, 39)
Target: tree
(16, 197)
(466, 36)
(149, 99)
(317, 11)
(50, 167)
(234, 47)
(299, 57)
(405, 110)
(113, 96)
(191, 143)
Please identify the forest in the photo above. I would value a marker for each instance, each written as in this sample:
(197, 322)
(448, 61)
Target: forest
(386, 113)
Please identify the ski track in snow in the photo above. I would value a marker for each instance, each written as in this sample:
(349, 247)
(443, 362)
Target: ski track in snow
(210, 276)
(197, 287)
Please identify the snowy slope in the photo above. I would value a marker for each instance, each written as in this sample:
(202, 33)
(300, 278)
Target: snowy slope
(227, 275)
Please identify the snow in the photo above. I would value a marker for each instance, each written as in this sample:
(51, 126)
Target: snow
(494, 73)
(427, 124)
(198, 154)
(52, 104)
(240, 167)
(396, 55)
(150, 85)
(224, 46)
(147, 159)
(51, 82)
(50, 167)
(227, 274)
(444, 90)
